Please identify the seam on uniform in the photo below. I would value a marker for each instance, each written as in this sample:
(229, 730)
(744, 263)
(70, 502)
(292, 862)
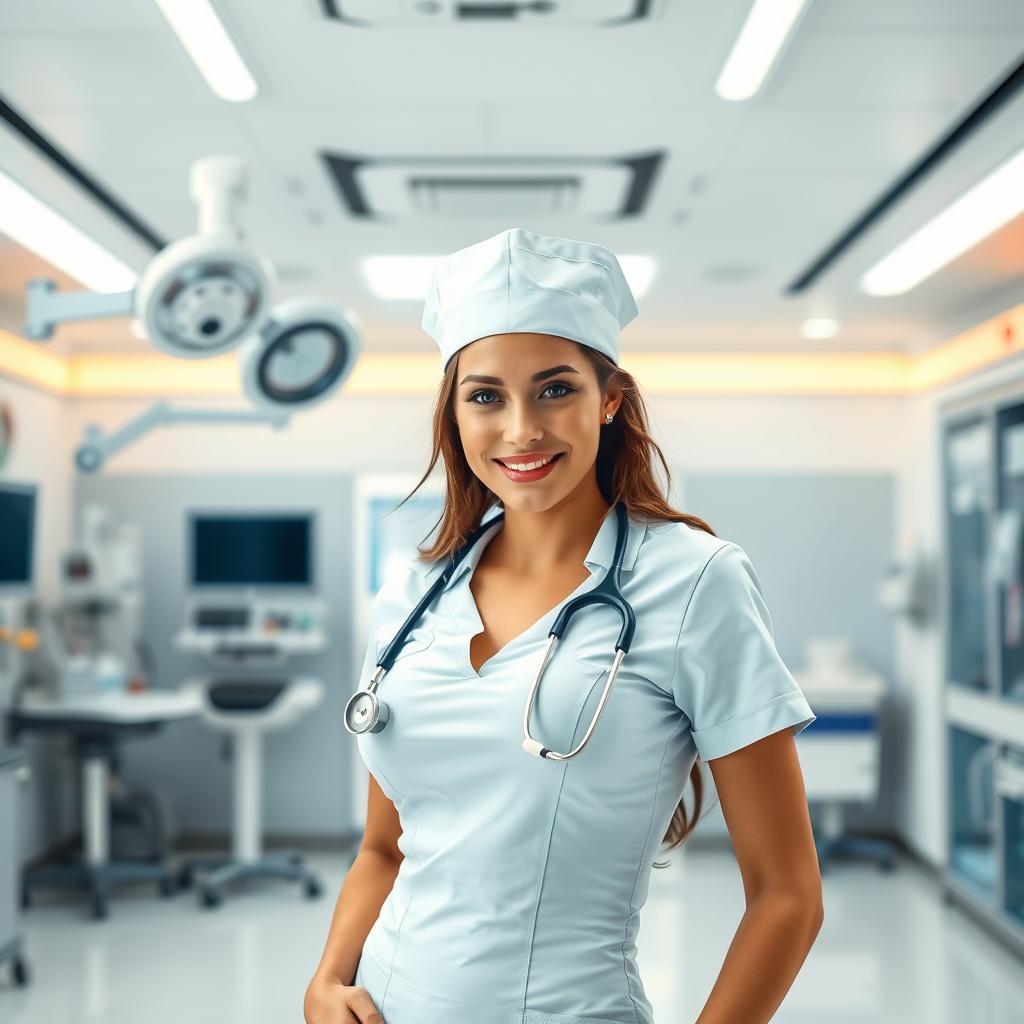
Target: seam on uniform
(556, 256)
(398, 934)
(686, 608)
(528, 959)
(640, 864)
(547, 851)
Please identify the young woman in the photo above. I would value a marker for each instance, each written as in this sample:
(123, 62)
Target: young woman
(503, 866)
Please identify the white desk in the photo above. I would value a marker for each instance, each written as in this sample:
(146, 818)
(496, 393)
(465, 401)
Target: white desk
(97, 723)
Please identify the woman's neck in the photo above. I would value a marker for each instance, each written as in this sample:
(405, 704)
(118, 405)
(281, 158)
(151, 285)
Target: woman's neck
(537, 543)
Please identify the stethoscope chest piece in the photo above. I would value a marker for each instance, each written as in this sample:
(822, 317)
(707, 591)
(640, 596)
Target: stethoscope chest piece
(365, 713)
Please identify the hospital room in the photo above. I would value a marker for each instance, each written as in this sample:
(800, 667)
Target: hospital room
(512, 512)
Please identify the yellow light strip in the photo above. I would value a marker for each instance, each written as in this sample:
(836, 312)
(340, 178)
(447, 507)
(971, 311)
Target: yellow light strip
(978, 347)
(153, 374)
(32, 363)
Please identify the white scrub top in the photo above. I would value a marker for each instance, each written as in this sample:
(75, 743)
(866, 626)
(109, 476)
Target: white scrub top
(519, 896)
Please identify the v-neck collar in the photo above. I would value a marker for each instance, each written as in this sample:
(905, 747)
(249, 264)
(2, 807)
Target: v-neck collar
(600, 555)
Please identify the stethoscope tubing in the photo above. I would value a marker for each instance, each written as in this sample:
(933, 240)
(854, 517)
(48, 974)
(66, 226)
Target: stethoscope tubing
(372, 715)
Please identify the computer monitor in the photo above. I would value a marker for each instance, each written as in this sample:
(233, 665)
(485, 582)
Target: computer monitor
(17, 534)
(234, 549)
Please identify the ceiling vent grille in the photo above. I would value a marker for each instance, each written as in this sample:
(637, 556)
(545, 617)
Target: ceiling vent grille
(519, 196)
(403, 189)
(531, 13)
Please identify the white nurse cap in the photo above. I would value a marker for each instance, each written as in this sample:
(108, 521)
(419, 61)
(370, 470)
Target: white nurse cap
(521, 281)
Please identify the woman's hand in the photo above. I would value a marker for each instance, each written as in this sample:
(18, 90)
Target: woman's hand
(328, 1001)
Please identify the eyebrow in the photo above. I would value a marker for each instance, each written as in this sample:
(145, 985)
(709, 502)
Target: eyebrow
(480, 379)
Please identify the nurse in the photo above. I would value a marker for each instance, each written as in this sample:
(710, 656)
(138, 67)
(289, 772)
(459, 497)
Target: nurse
(496, 887)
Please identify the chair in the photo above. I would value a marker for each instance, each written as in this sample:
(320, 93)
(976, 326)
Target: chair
(246, 708)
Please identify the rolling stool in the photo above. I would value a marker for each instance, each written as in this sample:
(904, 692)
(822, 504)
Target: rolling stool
(247, 708)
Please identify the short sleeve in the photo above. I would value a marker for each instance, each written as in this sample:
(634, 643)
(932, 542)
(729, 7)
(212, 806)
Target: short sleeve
(728, 678)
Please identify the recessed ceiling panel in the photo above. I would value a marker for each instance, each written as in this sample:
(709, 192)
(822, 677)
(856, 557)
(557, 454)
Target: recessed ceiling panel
(533, 13)
(408, 189)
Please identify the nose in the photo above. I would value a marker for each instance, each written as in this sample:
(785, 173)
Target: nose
(522, 428)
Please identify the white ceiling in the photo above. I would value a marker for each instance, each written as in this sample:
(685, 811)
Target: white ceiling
(747, 196)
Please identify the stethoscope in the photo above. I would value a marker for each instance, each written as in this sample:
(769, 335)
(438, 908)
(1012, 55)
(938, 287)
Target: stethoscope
(365, 713)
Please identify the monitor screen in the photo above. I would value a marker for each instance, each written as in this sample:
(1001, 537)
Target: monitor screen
(232, 550)
(17, 532)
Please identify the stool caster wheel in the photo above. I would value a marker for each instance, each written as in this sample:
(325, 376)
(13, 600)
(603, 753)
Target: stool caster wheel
(167, 887)
(210, 897)
(312, 888)
(185, 877)
(26, 899)
(99, 908)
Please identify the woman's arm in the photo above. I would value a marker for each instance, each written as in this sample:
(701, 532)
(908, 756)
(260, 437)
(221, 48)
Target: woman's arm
(367, 885)
(764, 803)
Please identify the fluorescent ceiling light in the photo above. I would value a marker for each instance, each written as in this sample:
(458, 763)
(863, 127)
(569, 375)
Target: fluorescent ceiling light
(207, 42)
(408, 277)
(399, 277)
(982, 209)
(30, 222)
(816, 328)
(769, 24)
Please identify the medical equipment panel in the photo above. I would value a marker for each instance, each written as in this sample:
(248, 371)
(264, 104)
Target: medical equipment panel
(251, 549)
(253, 627)
(17, 532)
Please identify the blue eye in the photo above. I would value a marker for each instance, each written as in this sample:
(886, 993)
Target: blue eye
(486, 391)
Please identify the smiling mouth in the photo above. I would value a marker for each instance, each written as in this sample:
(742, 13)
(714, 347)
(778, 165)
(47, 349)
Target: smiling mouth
(528, 461)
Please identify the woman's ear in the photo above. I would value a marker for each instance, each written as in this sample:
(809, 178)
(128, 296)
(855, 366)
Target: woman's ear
(613, 399)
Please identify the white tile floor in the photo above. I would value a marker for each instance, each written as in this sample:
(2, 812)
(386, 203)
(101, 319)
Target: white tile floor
(890, 950)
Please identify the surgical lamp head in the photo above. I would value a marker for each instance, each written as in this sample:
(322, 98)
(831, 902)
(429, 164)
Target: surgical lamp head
(305, 351)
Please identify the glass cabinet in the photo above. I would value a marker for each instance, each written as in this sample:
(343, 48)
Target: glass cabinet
(968, 490)
(973, 818)
(981, 441)
(1010, 793)
(1008, 565)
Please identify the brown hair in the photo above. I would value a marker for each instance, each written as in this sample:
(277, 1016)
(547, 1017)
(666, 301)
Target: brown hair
(624, 473)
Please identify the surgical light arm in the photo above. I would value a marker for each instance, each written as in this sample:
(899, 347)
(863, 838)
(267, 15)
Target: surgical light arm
(46, 307)
(97, 447)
